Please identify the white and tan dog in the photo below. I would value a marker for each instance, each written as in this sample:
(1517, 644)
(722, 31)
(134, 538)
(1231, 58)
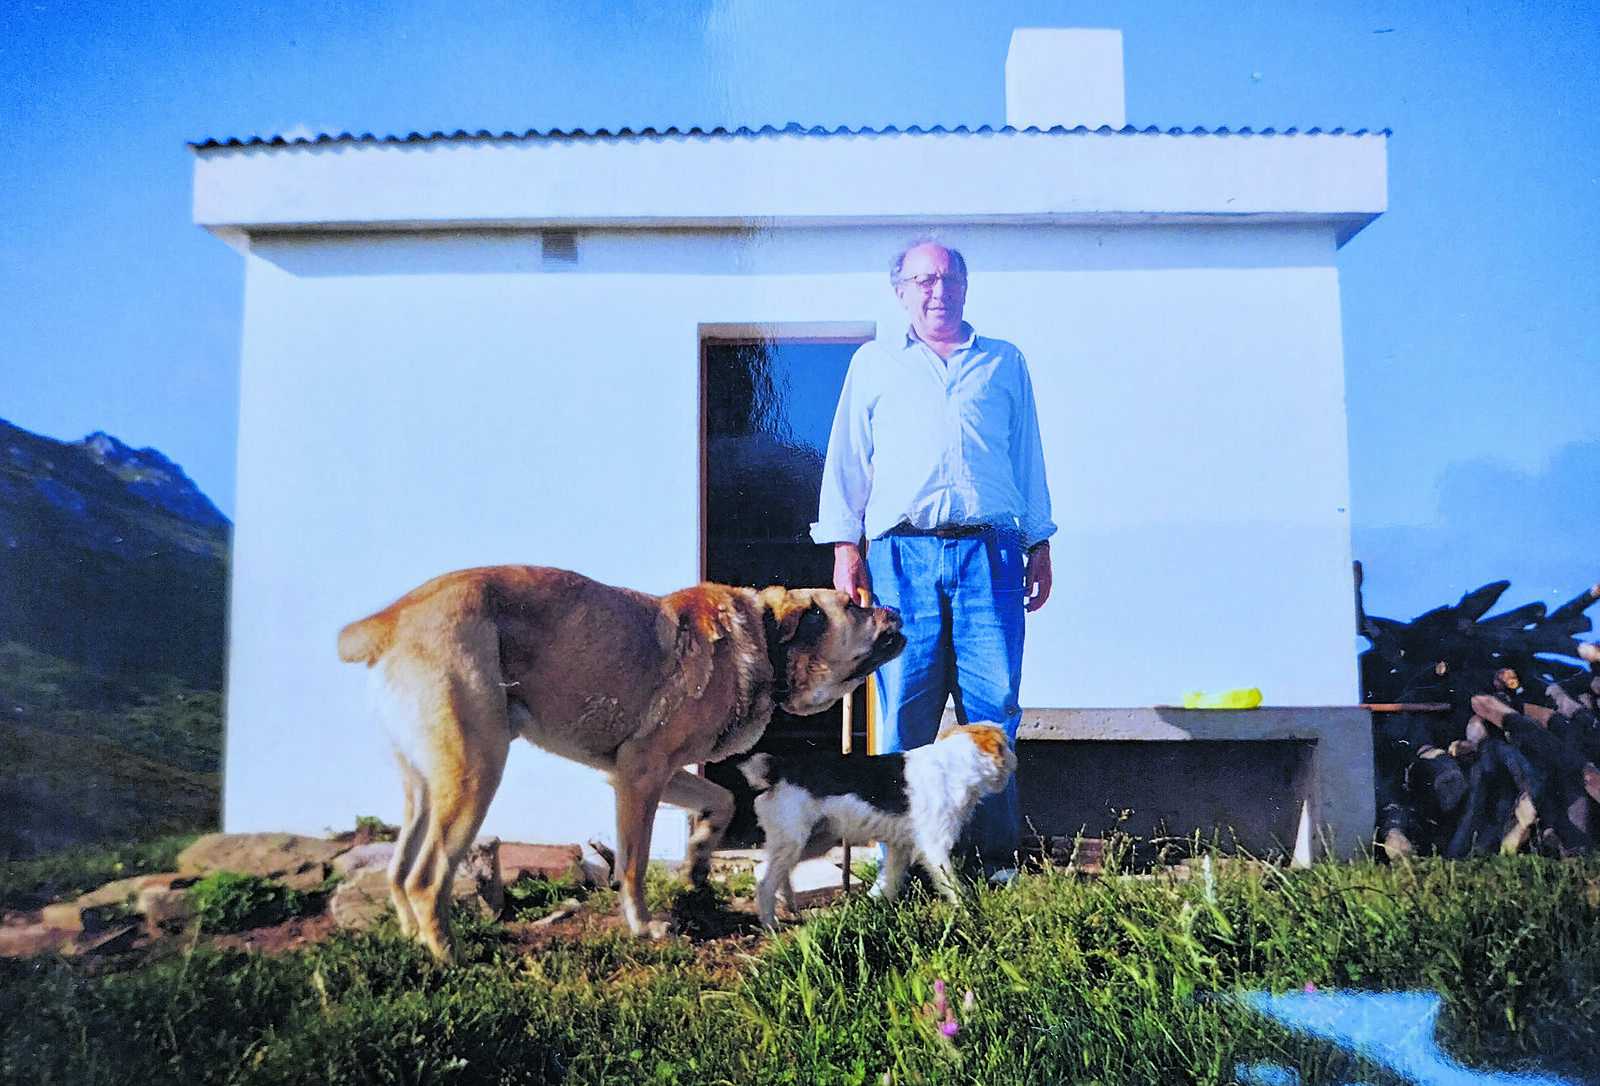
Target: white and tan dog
(915, 803)
(637, 686)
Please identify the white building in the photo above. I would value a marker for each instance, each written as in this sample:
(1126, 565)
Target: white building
(468, 349)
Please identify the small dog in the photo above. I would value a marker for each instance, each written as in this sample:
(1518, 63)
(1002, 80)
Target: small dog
(916, 803)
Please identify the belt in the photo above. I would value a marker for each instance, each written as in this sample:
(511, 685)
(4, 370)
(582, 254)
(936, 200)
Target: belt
(945, 531)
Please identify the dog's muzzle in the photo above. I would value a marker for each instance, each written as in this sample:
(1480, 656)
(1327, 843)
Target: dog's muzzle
(888, 644)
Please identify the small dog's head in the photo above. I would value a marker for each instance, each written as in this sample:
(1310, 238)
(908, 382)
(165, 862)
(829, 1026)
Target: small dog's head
(995, 757)
(757, 769)
(823, 645)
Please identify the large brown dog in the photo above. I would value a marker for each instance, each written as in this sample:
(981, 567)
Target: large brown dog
(634, 685)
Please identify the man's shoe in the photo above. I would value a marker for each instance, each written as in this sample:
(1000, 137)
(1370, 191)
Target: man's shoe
(1002, 876)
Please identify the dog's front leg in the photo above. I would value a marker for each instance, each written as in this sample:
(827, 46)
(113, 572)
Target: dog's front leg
(638, 786)
(896, 858)
(944, 880)
(937, 862)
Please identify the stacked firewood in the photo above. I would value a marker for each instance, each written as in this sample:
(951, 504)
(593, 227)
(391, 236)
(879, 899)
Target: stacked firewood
(1484, 728)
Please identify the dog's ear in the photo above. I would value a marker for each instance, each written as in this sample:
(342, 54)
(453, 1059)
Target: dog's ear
(990, 738)
(949, 727)
(785, 609)
(700, 625)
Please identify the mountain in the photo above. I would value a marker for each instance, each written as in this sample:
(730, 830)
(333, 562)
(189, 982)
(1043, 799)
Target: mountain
(111, 558)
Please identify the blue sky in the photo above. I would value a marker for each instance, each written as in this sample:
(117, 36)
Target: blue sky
(1472, 328)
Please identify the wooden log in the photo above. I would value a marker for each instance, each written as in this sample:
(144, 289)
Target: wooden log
(1539, 714)
(1395, 844)
(847, 729)
(1564, 702)
(1578, 604)
(1560, 763)
(1475, 604)
(1441, 775)
(1486, 788)
(1421, 680)
(1525, 615)
(1477, 730)
(1580, 729)
(1519, 829)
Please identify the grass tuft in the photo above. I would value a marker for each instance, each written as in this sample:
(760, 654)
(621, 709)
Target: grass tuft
(228, 901)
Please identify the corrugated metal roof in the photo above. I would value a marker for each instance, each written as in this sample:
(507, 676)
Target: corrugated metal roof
(794, 129)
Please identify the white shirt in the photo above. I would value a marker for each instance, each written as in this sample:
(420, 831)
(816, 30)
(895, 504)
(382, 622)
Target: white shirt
(931, 443)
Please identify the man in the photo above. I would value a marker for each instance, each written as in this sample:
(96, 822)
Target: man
(935, 459)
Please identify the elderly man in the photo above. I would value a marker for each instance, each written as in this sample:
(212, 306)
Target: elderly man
(935, 459)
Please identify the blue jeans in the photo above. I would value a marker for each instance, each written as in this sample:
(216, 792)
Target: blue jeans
(961, 601)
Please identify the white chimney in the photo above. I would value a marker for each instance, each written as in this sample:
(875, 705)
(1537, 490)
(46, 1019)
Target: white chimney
(1064, 77)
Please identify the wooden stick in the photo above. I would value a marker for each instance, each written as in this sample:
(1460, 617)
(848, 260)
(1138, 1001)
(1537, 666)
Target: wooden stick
(847, 729)
(1407, 706)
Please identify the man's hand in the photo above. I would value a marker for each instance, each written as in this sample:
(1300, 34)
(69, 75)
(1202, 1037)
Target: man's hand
(850, 570)
(1036, 588)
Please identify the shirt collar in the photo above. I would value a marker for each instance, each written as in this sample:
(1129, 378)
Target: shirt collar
(912, 339)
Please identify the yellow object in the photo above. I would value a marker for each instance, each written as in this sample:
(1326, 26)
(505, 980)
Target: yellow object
(1241, 698)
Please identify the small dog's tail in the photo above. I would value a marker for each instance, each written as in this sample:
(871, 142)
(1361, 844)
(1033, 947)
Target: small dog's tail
(757, 769)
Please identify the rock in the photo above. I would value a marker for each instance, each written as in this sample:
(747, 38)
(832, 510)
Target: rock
(598, 864)
(111, 940)
(121, 892)
(553, 862)
(128, 891)
(68, 917)
(363, 858)
(367, 831)
(165, 908)
(363, 891)
(479, 881)
(360, 899)
(106, 917)
(93, 911)
(26, 940)
(300, 863)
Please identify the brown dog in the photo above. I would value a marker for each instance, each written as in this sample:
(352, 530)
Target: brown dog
(634, 685)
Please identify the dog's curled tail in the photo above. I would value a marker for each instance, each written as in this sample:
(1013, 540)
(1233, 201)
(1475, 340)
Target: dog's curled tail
(362, 642)
(757, 769)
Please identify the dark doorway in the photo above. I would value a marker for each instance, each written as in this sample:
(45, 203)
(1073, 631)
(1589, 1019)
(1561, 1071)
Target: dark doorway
(768, 402)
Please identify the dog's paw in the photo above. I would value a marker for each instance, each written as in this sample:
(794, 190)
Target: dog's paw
(659, 929)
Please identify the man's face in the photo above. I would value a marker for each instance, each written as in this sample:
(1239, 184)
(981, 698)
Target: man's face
(933, 292)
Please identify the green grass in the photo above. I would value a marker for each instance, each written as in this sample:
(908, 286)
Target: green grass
(29, 884)
(535, 896)
(228, 901)
(157, 716)
(1072, 980)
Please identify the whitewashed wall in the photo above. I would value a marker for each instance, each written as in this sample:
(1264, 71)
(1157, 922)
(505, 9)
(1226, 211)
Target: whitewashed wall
(418, 402)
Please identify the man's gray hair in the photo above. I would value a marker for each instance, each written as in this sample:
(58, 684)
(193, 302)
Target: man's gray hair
(957, 261)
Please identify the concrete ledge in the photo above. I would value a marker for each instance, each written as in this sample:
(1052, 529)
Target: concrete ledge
(1307, 791)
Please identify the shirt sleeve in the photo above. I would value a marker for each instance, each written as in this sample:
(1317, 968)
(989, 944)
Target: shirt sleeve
(1028, 462)
(847, 469)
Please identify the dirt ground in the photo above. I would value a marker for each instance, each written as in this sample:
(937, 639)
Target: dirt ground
(721, 934)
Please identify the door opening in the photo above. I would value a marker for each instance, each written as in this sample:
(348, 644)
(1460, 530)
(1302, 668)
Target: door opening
(768, 395)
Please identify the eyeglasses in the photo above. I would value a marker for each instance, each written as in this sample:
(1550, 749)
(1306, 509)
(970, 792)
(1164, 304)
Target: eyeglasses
(925, 283)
